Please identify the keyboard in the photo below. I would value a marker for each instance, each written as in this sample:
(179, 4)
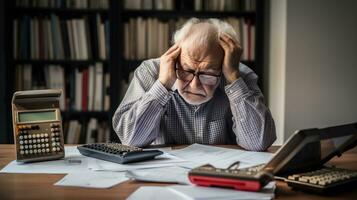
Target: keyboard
(323, 179)
(116, 152)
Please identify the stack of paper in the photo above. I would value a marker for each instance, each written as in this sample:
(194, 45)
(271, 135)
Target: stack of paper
(164, 160)
(92, 179)
(75, 165)
(168, 175)
(198, 193)
(172, 166)
(73, 162)
(198, 154)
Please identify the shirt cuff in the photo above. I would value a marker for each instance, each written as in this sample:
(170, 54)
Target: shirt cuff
(237, 89)
(160, 93)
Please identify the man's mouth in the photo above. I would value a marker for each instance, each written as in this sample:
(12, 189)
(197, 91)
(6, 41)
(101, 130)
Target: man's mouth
(197, 94)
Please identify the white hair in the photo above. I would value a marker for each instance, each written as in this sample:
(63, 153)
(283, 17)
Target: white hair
(217, 28)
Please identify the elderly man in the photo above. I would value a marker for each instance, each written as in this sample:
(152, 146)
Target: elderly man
(197, 92)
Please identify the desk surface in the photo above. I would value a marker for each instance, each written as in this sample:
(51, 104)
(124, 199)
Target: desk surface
(40, 186)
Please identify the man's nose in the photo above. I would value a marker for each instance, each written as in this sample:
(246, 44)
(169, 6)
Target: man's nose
(195, 83)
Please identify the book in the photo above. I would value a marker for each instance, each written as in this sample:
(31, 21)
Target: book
(98, 99)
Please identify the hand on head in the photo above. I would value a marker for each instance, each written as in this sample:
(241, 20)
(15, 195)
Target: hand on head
(167, 74)
(232, 54)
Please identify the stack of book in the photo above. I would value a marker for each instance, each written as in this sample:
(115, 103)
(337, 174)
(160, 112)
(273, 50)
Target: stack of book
(149, 4)
(224, 5)
(93, 131)
(54, 38)
(83, 4)
(85, 89)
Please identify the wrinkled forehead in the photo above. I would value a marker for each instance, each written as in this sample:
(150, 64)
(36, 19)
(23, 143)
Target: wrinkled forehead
(205, 58)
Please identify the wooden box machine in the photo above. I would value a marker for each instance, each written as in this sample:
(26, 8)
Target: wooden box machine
(37, 125)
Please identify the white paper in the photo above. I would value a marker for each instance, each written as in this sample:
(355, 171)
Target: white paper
(198, 154)
(167, 174)
(164, 160)
(73, 162)
(206, 193)
(154, 193)
(92, 179)
(182, 192)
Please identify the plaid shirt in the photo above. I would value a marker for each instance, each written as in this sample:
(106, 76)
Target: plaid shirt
(151, 114)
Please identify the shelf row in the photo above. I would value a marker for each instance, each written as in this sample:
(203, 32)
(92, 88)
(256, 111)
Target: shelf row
(133, 13)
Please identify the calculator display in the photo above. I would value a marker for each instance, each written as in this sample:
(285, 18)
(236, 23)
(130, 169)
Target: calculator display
(37, 116)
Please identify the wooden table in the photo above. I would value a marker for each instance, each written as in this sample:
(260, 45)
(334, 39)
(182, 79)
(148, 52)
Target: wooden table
(40, 186)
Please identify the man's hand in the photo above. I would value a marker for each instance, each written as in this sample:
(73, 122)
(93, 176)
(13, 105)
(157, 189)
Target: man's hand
(232, 54)
(167, 75)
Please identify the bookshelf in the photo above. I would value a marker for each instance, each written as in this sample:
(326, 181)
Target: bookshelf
(117, 63)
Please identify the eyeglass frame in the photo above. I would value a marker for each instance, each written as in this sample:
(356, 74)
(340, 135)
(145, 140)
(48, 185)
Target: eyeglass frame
(196, 74)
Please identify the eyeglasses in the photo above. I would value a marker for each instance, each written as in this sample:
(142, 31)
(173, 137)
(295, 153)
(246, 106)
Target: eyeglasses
(205, 78)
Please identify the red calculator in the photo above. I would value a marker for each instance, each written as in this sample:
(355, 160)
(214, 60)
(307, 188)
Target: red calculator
(239, 179)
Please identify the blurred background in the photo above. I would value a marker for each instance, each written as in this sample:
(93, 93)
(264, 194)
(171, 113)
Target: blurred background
(304, 53)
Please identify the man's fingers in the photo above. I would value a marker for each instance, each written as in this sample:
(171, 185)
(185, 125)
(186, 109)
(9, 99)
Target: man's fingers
(232, 42)
(230, 38)
(224, 44)
(172, 48)
(175, 53)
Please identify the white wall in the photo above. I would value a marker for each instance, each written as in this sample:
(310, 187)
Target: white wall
(275, 76)
(312, 64)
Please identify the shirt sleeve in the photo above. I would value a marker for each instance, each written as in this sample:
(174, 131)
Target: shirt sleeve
(253, 124)
(137, 119)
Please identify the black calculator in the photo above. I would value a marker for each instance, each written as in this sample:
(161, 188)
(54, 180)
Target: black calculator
(118, 153)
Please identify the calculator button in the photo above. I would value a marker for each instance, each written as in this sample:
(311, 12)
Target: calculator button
(21, 137)
(21, 142)
(25, 136)
(22, 152)
(29, 136)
